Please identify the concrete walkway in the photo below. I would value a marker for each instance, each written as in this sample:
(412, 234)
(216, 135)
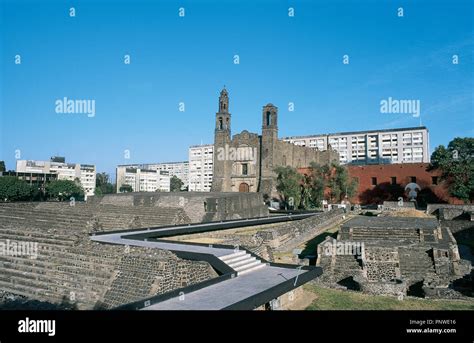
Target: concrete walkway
(257, 278)
(229, 292)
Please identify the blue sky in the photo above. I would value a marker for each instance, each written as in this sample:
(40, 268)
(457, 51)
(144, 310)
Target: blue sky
(188, 59)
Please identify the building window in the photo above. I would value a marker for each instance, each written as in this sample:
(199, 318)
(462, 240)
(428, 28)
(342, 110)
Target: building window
(394, 180)
(413, 179)
(245, 169)
(269, 118)
(374, 181)
(434, 180)
(220, 124)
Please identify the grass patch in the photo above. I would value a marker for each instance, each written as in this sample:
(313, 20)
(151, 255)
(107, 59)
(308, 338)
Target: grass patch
(334, 299)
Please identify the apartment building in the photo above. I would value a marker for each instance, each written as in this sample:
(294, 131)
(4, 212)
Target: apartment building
(84, 173)
(404, 145)
(178, 169)
(141, 179)
(200, 167)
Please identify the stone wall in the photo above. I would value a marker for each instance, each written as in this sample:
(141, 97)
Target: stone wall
(381, 264)
(142, 273)
(449, 212)
(396, 206)
(68, 270)
(394, 288)
(300, 157)
(397, 253)
(81, 274)
(291, 234)
(197, 206)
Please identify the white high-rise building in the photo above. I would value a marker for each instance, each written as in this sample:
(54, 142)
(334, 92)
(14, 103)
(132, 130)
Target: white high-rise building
(84, 173)
(164, 181)
(178, 169)
(200, 167)
(406, 145)
(142, 180)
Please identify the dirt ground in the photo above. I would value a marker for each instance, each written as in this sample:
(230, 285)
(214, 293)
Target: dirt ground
(408, 213)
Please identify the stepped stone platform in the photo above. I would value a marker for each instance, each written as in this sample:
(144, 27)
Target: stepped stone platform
(68, 270)
(65, 269)
(389, 255)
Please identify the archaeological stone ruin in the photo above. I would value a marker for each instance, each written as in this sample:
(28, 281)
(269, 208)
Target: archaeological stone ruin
(71, 271)
(393, 255)
(386, 254)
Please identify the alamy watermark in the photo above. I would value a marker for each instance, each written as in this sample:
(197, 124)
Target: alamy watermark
(18, 248)
(391, 105)
(66, 106)
(228, 153)
(28, 325)
(333, 247)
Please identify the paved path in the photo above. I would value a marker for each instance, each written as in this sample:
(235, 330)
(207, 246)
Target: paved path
(220, 295)
(228, 292)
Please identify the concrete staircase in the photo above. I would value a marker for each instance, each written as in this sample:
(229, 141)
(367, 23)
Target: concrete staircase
(242, 262)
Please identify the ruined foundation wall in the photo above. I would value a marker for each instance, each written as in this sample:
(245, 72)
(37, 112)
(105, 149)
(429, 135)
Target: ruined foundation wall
(291, 234)
(197, 206)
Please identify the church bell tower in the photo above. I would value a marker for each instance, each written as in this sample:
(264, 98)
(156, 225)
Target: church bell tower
(222, 140)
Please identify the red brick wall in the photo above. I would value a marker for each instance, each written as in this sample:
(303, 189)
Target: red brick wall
(403, 174)
(384, 190)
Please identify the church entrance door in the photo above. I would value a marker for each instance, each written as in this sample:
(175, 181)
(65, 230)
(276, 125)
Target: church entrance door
(243, 187)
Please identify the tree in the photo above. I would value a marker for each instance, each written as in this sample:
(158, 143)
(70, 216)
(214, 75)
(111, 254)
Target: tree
(176, 184)
(314, 185)
(125, 188)
(289, 186)
(103, 186)
(457, 165)
(309, 190)
(339, 184)
(2, 166)
(13, 189)
(63, 190)
(333, 178)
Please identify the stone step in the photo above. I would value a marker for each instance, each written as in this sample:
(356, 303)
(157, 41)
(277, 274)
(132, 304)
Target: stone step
(232, 255)
(39, 240)
(48, 266)
(248, 259)
(47, 281)
(251, 268)
(33, 293)
(237, 259)
(28, 291)
(40, 214)
(247, 266)
(34, 233)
